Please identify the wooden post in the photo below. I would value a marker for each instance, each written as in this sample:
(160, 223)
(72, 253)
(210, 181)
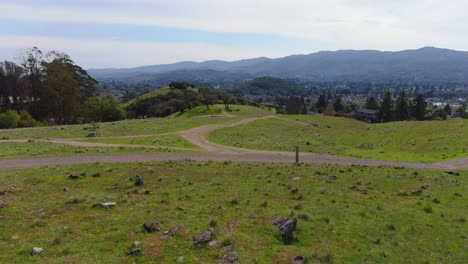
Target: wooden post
(297, 154)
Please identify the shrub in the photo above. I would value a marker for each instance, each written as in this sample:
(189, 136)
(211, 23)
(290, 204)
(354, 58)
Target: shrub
(9, 119)
(27, 120)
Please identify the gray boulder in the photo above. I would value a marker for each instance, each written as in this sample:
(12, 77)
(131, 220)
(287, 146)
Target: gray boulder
(204, 237)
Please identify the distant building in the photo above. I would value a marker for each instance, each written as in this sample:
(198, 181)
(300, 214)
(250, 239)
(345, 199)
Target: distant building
(366, 115)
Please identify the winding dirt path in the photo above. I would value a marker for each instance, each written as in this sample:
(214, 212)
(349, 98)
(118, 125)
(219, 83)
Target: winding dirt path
(212, 152)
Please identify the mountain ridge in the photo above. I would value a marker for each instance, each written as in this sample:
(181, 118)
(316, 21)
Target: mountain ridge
(424, 64)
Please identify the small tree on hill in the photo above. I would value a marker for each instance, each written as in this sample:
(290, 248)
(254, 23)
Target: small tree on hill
(419, 107)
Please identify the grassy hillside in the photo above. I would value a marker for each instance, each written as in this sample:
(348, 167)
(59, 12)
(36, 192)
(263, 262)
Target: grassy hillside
(379, 215)
(108, 133)
(400, 141)
(154, 93)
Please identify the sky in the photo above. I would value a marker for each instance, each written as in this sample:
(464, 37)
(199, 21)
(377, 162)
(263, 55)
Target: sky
(130, 33)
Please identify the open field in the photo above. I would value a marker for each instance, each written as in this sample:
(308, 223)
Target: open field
(398, 141)
(150, 126)
(168, 140)
(382, 215)
(44, 149)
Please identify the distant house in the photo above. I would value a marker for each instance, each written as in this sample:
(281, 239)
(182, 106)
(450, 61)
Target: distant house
(366, 115)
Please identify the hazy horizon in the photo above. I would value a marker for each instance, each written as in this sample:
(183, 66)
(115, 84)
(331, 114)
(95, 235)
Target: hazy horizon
(124, 33)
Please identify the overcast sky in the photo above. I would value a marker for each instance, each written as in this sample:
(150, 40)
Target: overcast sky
(128, 33)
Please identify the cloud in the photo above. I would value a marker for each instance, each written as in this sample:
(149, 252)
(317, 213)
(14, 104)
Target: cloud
(325, 25)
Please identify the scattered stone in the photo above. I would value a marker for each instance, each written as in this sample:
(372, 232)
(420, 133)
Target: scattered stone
(173, 231)
(287, 227)
(74, 176)
(105, 205)
(331, 179)
(135, 252)
(298, 260)
(135, 249)
(214, 243)
(294, 190)
(180, 259)
(66, 189)
(170, 233)
(136, 243)
(152, 227)
(3, 204)
(139, 181)
(37, 251)
(203, 237)
(230, 257)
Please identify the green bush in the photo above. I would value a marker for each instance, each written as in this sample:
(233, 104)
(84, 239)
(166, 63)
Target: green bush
(27, 120)
(9, 119)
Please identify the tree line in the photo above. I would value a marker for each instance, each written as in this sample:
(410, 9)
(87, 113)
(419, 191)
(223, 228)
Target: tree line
(402, 108)
(49, 88)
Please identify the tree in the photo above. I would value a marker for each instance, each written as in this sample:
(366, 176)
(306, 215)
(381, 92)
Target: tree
(60, 97)
(386, 108)
(338, 104)
(207, 98)
(12, 86)
(461, 111)
(103, 109)
(32, 63)
(321, 103)
(419, 107)
(402, 107)
(448, 109)
(371, 103)
(295, 106)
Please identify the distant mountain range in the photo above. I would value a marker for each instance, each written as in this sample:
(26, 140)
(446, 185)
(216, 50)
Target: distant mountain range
(422, 65)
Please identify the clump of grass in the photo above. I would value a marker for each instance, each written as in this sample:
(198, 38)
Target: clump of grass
(213, 223)
(428, 209)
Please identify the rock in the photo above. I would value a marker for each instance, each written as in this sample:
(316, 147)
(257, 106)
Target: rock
(171, 232)
(279, 221)
(287, 228)
(203, 237)
(105, 205)
(152, 227)
(3, 204)
(139, 181)
(214, 243)
(136, 244)
(66, 189)
(294, 190)
(135, 249)
(135, 252)
(74, 176)
(180, 259)
(230, 257)
(298, 260)
(332, 179)
(37, 251)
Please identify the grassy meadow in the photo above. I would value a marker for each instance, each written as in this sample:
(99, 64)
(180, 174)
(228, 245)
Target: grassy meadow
(379, 215)
(426, 141)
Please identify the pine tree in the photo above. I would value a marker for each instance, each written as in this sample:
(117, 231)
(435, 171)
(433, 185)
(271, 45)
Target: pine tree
(386, 108)
(402, 107)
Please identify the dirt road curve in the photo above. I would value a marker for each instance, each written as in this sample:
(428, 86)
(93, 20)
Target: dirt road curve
(216, 152)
